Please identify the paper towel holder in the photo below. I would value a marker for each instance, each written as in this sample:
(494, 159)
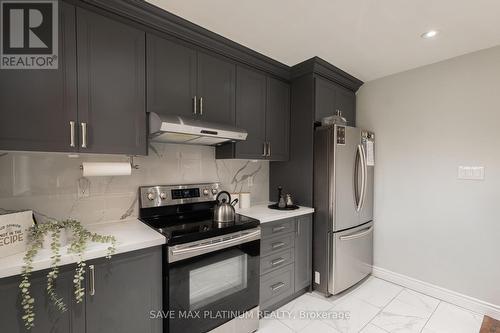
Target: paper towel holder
(132, 165)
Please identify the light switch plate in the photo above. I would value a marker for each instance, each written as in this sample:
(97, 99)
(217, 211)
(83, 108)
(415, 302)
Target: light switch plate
(471, 172)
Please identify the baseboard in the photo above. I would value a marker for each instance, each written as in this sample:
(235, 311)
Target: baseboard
(441, 293)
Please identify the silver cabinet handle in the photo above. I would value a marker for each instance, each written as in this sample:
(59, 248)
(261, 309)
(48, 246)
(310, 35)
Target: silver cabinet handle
(363, 233)
(269, 149)
(298, 227)
(84, 135)
(92, 280)
(277, 262)
(194, 105)
(278, 229)
(201, 105)
(264, 153)
(278, 245)
(72, 134)
(277, 286)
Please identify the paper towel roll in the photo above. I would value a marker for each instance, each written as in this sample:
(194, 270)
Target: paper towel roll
(106, 169)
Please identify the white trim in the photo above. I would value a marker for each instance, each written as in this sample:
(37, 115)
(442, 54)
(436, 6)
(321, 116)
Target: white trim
(453, 297)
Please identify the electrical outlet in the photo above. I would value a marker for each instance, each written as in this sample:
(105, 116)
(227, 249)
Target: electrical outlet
(83, 188)
(250, 181)
(471, 172)
(316, 277)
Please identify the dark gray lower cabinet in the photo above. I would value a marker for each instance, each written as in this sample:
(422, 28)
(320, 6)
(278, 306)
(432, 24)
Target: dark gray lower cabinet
(47, 317)
(286, 260)
(126, 288)
(111, 85)
(303, 252)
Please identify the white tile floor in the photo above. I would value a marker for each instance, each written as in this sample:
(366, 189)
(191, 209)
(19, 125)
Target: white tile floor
(375, 306)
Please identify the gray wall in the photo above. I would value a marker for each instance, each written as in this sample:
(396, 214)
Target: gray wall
(428, 121)
(48, 183)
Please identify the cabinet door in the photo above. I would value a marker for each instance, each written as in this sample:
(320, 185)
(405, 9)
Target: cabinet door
(303, 252)
(171, 75)
(324, 98)
(216, 89)
(122, 291)
(251, 112)
(278, 119)
(345, 101)
(47, 317)
(111, 85)
(37, 105)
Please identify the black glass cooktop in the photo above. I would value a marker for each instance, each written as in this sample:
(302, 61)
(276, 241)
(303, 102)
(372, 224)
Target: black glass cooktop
(180, 229)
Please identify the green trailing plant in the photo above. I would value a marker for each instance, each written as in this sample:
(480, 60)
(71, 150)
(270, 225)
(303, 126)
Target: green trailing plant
(81, 237)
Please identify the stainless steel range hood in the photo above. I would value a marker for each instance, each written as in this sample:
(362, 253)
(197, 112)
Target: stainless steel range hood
(177, 129)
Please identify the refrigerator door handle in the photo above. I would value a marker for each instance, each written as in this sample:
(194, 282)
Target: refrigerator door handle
(363, 233)
(359, 197)
(364, 176)
(329, 250)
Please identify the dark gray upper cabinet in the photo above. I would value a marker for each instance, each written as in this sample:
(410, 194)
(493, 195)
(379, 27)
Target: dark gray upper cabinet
(251, 112)
(171, 77)
(345, 101)
(216, 89)
(263, 109)
(37, 106)
(47, 317)
(111, 85)
(184, 81)
(303, 252)
(278, 119)
(122, 291)
(325, 98)
(331, 97)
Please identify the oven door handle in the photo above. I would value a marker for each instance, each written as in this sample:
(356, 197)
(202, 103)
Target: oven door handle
(192, 251)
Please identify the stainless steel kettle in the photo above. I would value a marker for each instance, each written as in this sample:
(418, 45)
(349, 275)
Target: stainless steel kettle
(224, 211)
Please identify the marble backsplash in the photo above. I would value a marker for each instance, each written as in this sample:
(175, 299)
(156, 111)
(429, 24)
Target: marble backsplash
(51, 183)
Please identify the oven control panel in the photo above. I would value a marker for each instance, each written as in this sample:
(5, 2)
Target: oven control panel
(168, 195)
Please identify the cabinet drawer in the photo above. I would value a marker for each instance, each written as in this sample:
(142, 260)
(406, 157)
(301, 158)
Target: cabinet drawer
(276, 244)
(276, 286)
(275, 261)
(278, 227)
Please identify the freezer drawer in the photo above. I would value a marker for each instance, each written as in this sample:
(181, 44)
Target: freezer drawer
(352, 257)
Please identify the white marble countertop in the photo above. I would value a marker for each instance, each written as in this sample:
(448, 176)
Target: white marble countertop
(265, 214)
(131, 235)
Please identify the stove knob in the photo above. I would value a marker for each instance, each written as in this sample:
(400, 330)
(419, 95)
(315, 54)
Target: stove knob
(205, 191)
(151, 196)
(214, 191)
(163, 195)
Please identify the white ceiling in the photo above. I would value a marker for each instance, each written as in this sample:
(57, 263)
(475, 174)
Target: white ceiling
(367, 38)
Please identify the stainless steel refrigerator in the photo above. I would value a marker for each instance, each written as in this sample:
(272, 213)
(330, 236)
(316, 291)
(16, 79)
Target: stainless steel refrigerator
(343, 200)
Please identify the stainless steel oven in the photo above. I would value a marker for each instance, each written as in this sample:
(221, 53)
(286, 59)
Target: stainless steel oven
(213, 281)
